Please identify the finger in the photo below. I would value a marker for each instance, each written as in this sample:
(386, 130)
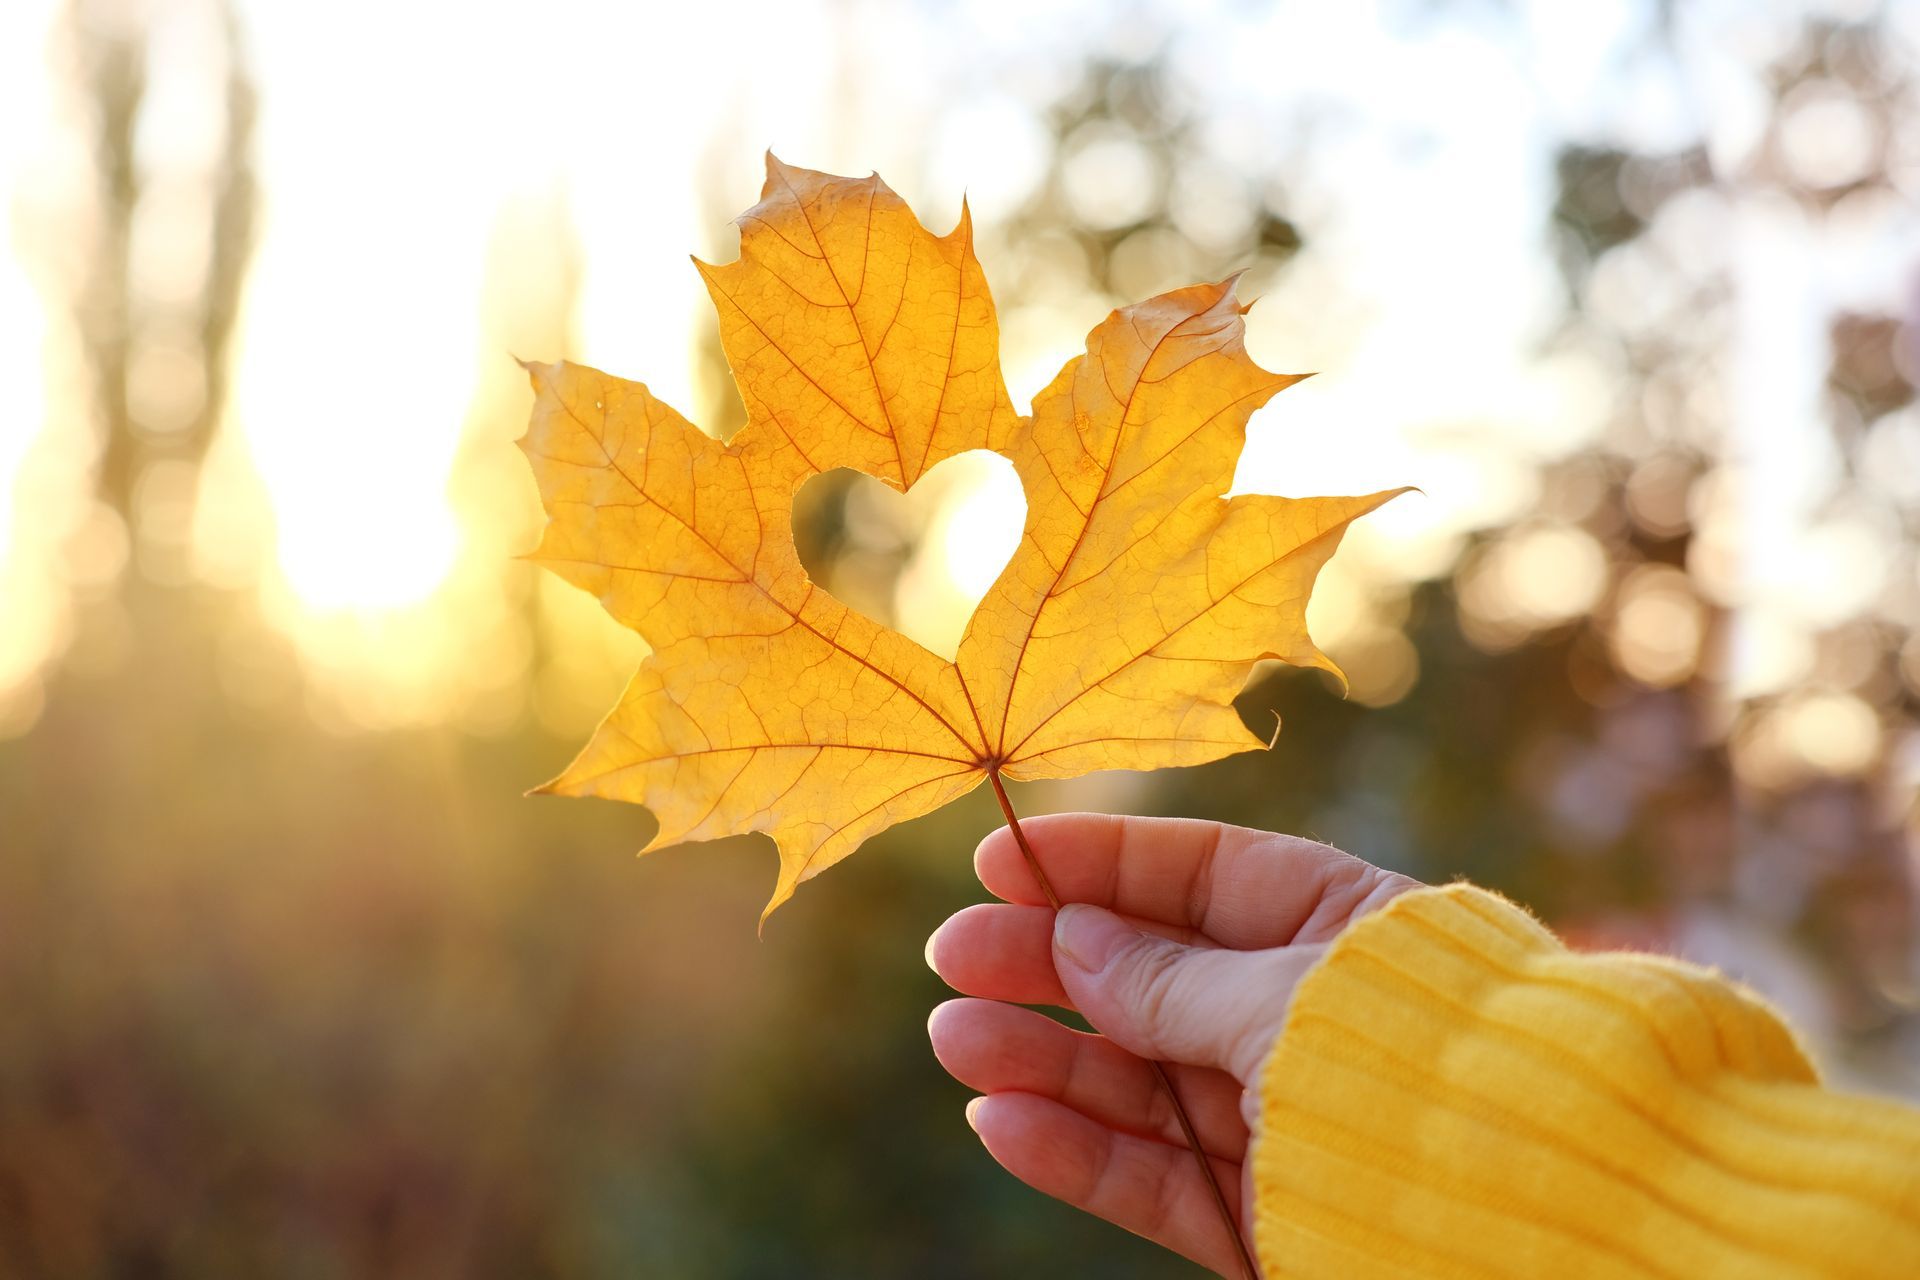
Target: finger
(1000, 1048)
(999, 952)
(1007, 952)
(1207, 1006)
(1150, 1188)
(1242, 888)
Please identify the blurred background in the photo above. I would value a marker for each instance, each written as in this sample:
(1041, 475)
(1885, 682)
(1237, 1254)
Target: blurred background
(294, 980)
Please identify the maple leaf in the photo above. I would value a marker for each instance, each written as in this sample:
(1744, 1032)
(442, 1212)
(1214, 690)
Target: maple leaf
(1131, 614)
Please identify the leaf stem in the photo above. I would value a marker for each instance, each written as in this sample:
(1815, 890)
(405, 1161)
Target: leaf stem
(1020, 838)
(1159, 1068)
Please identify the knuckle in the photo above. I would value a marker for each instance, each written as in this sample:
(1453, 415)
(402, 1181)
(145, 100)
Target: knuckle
(1356, 887)
(1349, 881)
(1154, 989)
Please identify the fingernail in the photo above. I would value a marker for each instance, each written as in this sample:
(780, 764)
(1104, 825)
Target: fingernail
(973, 1110)
(1088, 936)
(928, 953)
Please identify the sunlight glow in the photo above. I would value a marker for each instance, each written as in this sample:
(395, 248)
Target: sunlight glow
(981, 527)
(32, 600)
(360, 345)
(979, 512)
(362, 564)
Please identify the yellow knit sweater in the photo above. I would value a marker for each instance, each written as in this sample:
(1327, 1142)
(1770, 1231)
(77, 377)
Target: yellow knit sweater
(1457, 1094)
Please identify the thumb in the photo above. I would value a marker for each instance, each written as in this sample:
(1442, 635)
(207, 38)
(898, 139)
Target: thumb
(1160, 999)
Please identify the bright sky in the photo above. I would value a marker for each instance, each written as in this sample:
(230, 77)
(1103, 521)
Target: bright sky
(391, 138)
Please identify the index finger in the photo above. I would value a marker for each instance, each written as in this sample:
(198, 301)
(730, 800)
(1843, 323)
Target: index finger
(1241, 888)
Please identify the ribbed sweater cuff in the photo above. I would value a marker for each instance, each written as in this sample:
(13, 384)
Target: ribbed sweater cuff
(1457, 1094)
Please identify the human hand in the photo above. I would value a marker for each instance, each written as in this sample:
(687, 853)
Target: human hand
(1180, 941)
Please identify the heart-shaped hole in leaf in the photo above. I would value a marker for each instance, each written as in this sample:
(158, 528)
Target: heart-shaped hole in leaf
(918, 561)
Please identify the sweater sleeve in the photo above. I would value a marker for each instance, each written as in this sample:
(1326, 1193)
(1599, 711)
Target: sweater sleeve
(1457, 1094)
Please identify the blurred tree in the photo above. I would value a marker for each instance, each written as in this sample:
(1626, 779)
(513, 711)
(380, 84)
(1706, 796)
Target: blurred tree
(169, 243)
(1591, 754)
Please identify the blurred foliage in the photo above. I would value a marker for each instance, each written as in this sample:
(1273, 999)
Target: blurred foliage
(1133, 202)
(285, 999)
(1587, 754)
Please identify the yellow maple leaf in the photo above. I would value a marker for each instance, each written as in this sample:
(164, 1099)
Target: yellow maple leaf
(1133, 610)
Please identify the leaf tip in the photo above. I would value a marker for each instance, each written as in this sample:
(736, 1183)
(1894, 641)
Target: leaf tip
(1281, 381)
(781, 893)
(963, 229)
(778, 172)
(561, 784)
(1227, 285)
(1374, 501)
(1322, 662)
